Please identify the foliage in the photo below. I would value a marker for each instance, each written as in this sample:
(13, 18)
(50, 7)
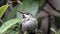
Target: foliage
(3, 9)
(12, 22)
(8, 24)
(15, 17)
(55, 31)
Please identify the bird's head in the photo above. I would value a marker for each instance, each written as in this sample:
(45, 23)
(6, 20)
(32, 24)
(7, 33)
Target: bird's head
(26, 14)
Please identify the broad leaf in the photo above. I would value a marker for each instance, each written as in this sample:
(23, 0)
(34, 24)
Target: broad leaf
(3, 9)
(8, 24)
(52, 29)
(30, 6)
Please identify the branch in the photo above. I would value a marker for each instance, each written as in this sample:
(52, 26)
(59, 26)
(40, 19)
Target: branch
(51, 11)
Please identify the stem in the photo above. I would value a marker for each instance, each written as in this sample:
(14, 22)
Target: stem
(49, 24)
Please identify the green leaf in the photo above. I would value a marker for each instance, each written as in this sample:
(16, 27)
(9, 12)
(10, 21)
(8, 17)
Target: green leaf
(3, 9)
(14, 32)
(30, 6)
(52, 29)
(8, 24)
(12, 14)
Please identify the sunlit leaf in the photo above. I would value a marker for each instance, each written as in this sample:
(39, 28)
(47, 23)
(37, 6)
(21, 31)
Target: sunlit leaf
(3, 9)
(52, 29)
(8, 24)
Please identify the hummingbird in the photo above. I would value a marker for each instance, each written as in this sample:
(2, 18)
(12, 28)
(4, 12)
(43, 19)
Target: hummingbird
(29, 23)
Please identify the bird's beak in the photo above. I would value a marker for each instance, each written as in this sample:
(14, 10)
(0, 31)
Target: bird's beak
(21, 12)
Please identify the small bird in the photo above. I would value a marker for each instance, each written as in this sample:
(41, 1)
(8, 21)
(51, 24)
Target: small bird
(29, 23)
